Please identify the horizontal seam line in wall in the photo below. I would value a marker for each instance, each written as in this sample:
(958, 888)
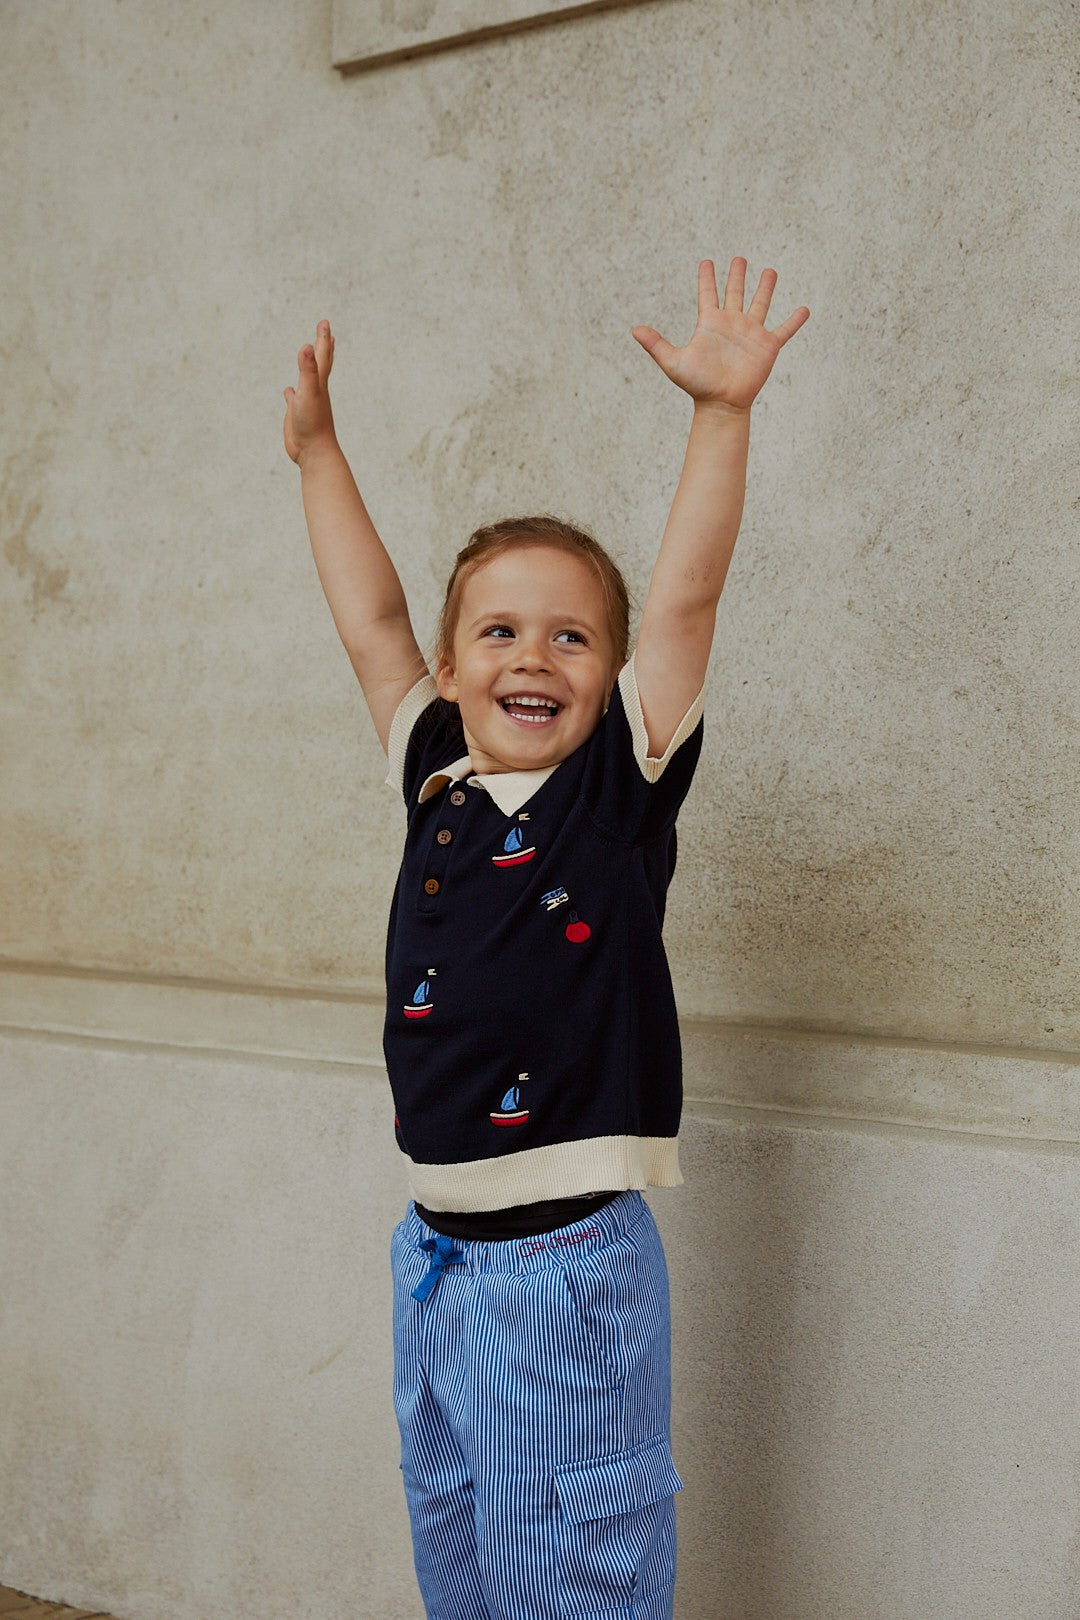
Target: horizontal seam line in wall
(702, 1108)
(690, 1024)
(142, 1043)
(876, 1124)
(177, 981)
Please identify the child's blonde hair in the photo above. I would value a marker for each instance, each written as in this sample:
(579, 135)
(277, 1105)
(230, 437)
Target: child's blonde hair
(542, 530)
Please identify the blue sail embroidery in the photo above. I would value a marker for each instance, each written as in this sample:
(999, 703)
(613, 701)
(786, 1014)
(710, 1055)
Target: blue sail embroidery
(513, 853)
(421, 1001)
(510, 1111)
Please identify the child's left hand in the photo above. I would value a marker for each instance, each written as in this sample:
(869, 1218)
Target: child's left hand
(730, 354)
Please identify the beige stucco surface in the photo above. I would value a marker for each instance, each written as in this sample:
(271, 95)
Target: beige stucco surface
(873, 926)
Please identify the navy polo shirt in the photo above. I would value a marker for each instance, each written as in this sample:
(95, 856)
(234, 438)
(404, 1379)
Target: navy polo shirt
(531, 1037)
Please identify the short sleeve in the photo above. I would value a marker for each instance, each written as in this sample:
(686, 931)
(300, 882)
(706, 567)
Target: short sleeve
(653, 768)
(424, 733)
(630, 794)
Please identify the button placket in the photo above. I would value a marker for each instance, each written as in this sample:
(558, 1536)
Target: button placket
(438, 858)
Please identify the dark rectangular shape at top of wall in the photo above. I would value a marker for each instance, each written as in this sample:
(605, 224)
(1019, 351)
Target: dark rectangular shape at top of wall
(367, 35)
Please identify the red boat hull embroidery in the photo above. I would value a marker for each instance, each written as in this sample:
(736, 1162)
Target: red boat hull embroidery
(514, 860)
(510, 1119)
(418, 1012)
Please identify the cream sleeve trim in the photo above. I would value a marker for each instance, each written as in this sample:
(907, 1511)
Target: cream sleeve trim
(406, 715)
(652, 768)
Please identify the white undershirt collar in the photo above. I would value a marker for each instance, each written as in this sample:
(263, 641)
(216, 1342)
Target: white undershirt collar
(509, 789)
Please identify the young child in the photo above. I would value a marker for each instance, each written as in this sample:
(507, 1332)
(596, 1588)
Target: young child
(531, 1037)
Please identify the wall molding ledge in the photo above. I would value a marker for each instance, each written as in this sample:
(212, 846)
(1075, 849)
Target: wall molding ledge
(366, 36)
(985, 1091)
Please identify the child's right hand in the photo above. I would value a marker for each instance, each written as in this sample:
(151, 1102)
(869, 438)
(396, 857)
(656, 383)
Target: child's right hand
(308, 418)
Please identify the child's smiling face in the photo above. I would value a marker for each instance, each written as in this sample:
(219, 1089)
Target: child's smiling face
(533, 623)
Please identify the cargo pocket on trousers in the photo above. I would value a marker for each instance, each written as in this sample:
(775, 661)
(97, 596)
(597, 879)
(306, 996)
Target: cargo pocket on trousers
(616, 1530)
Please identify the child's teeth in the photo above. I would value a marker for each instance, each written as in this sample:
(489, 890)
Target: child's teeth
(546, 711)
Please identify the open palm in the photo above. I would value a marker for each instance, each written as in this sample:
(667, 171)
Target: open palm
(730, 354)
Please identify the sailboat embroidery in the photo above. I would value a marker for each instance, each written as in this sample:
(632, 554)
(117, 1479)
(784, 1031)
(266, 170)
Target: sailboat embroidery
(510, 1111)
(421, 1002)
(514, 854)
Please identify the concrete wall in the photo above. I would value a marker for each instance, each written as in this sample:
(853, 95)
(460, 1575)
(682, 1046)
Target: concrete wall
(872, 929)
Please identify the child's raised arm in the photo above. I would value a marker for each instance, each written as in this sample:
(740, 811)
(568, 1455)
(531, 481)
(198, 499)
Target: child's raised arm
(360, 581)
(723, 368)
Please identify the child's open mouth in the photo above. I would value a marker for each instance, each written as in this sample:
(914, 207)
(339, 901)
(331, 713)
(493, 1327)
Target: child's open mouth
(530, 711)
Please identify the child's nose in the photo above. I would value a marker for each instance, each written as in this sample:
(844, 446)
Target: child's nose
(531, 655)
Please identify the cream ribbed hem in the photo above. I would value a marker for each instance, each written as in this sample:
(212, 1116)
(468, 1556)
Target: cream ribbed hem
(564, 1170)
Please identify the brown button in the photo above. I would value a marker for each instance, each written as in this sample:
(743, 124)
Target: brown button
(457, 797)
(431, 886)
(444, 835)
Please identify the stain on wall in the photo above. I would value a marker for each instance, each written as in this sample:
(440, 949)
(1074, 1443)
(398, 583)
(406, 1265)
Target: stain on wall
(20, 509)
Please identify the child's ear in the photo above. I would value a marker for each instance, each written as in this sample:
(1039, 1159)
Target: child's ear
(446, 681)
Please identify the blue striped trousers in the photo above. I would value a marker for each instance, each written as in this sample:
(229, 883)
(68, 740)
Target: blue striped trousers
(532, 1388)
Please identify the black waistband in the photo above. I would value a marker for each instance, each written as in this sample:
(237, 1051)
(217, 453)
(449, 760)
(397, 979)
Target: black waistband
(523, 1220)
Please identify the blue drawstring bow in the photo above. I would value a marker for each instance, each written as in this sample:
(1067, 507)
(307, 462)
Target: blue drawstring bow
(443, 1254)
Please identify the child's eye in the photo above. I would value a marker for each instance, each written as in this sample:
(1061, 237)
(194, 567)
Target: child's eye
(501, 630)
